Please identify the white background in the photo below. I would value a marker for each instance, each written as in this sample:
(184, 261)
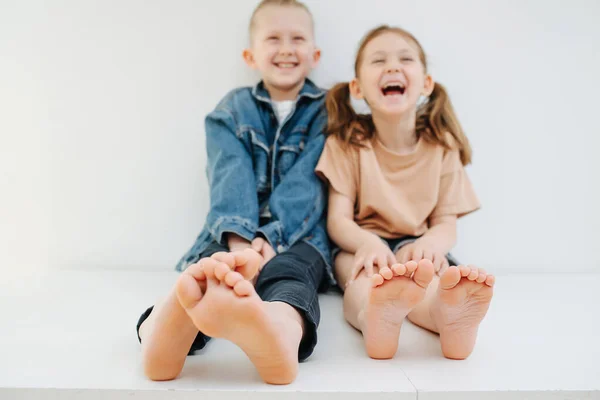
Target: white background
(102, 103)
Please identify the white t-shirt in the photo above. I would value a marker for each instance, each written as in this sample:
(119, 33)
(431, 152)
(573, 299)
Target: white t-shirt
(283, 109)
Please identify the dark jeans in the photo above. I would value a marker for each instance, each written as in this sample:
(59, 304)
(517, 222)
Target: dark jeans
(293, 277)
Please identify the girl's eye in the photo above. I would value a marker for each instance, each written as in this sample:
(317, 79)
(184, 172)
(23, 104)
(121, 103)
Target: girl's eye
(407, 59)
(379, 61)
(299, 39)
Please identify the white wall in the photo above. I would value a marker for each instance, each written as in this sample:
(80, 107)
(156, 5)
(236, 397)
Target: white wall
(102, 105)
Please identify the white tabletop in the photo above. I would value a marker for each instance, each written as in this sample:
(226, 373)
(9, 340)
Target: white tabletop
(71, 335)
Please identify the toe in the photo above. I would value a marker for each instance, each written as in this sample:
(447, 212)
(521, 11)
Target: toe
(399, 269)
(226, 258)
(424, 273)
(221, 270)
(464, 271)
(482, 276)
(377, 280)
(197, 270)
(232, 278)
(243, 288)
(188, 291)
(490, 280)
(473, 274)
(411, 267)
(450, 278)
(208, 265)
(247, 263)
(386, 273)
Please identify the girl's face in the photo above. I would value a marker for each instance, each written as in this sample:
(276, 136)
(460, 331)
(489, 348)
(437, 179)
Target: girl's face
(391, 76)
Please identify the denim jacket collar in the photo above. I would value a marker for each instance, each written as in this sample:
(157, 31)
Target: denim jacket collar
(309, 90)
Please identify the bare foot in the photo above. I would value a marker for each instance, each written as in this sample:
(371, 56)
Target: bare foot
(193, 280)
(246, 262)
(463, 298)
(230, 309)
(393, 295)
(168, 333)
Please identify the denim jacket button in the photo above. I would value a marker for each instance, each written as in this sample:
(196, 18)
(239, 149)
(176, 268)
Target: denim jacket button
(280, 249)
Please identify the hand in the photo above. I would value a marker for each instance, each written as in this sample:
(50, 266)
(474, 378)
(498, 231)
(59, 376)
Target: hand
(237, 243)
(373, 251)
(421, 249)
(262, 247)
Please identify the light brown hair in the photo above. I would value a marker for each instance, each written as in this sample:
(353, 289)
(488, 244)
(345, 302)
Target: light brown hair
(435, 118)
(279, 3)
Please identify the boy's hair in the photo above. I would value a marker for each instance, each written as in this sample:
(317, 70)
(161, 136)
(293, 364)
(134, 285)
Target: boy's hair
(435, 118)
(280, 3)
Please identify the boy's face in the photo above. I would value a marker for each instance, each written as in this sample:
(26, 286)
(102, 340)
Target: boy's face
(282, 50)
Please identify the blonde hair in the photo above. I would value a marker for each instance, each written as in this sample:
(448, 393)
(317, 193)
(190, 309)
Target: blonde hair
(435, 118)
(279, 3)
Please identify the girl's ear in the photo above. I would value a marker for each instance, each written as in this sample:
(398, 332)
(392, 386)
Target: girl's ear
(429, 85)
(355, 89)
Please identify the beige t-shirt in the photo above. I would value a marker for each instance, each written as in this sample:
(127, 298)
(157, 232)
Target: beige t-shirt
(396, 194)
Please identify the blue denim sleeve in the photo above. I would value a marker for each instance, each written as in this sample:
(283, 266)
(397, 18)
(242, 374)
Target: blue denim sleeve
(297, 204)
(233, 197)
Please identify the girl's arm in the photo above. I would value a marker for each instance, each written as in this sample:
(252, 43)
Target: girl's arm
(434, 244)
(341, 226)
(368, 249)
(441, 235)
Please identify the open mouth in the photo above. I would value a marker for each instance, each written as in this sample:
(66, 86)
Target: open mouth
(393, 88)
(286, 65)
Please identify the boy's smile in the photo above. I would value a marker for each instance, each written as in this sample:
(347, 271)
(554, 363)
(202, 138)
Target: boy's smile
(283, 50)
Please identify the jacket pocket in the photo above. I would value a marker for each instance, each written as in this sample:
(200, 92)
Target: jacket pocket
(260, 160)
(289, 152)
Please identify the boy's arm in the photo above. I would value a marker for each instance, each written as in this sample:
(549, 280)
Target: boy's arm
(233, 199)
(297, 204)
(236, 243)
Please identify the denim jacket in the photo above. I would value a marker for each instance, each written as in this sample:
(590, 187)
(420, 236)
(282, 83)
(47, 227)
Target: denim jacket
(250, 180)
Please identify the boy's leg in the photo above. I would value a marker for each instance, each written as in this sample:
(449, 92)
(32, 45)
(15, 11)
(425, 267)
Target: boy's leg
(274, 331)
(166, 336)
(166, 332)
(377, 306)
(454, 306)
(291, 282)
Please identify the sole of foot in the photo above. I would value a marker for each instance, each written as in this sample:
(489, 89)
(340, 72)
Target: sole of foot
(394, 293)
(462, 301)
(231, 309)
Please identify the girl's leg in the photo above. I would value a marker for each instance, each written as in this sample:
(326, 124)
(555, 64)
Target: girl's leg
(377, 306)
(454, 306)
